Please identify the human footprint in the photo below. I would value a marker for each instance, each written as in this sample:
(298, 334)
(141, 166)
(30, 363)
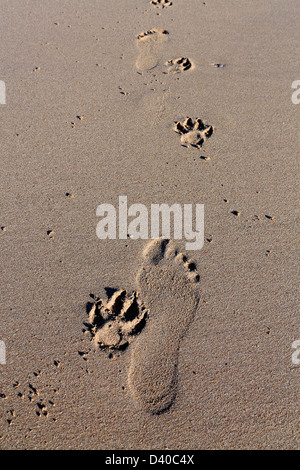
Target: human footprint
(166, 283)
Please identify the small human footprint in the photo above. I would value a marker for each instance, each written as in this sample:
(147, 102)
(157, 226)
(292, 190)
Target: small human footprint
(161, 3)
(150, 45)
(193, 132)
(114, 324)
(166, 283)
(179, 65)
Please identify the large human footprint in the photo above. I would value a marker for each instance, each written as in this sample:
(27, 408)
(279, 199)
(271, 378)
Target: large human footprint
(150, 46)
(166, 283)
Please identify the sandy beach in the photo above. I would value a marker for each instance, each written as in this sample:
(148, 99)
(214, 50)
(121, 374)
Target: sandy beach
(141, 343)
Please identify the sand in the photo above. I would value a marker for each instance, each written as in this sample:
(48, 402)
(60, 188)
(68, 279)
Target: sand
(103, 100)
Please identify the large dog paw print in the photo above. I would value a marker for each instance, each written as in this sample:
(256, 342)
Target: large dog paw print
(179, 65)
(114, 324)
(193, 132)
(161, 3)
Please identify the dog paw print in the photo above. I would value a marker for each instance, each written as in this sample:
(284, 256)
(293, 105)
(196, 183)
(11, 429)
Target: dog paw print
(193, 132)
(41, 409)
(10, 415)
(161, 3)
(179, 65)
(115, 324)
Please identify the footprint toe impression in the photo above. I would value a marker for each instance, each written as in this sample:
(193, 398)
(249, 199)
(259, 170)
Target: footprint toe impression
(166, 283)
